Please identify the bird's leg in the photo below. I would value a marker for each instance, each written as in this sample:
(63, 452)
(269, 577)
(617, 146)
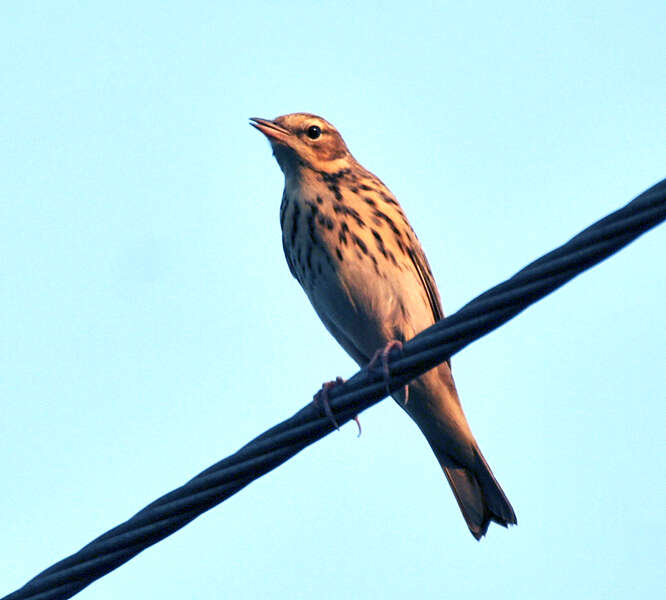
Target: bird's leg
(383, 355)
(322, 397)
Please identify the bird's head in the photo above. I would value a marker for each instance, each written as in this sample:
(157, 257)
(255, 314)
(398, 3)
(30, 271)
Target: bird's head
(304, 140)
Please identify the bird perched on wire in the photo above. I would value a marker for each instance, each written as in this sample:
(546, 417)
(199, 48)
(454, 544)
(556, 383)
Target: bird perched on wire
(348, 243)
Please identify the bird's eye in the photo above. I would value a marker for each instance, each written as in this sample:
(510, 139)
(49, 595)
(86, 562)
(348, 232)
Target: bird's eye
(314, 132)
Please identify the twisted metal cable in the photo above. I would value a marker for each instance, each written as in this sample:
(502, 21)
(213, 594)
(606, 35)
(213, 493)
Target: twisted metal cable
(431, 347)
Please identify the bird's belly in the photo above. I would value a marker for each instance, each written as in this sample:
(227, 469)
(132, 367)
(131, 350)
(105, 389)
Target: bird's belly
(364, 312)
(364, 309)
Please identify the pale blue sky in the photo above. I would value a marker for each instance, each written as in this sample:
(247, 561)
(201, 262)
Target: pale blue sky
(150, 325)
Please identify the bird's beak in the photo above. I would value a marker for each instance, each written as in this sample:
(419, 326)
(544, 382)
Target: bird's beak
(271, 130)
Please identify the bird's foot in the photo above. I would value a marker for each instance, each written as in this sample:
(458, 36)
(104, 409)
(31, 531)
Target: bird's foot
(320, 399)
(382, 355)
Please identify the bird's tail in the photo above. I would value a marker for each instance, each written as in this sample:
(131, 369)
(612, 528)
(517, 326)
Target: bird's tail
(434, 406)
(480, 497)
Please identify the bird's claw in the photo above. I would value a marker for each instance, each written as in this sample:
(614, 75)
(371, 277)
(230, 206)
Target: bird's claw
(358, 424)
(321, 399)
(383, 355)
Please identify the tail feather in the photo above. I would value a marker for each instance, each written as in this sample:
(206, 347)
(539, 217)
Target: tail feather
(479, 496)
(435, 408)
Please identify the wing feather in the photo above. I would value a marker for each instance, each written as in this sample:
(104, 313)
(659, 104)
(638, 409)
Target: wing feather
(424, 272)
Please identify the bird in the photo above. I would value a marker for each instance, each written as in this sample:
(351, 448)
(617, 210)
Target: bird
(350, 246)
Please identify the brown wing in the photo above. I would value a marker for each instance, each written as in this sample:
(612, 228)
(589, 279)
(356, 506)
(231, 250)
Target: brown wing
(427, 281)
(422, 267)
